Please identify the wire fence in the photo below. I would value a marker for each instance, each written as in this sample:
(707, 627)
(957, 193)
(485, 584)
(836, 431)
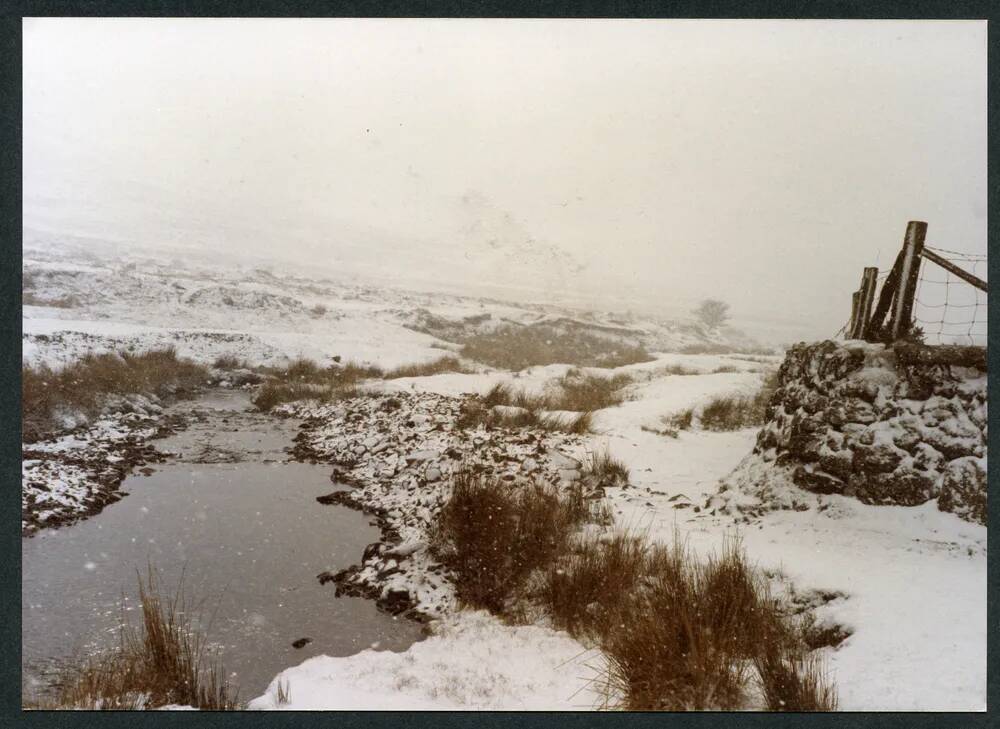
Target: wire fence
(948, 309)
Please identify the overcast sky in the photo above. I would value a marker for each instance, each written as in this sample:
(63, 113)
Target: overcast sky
(652, 161)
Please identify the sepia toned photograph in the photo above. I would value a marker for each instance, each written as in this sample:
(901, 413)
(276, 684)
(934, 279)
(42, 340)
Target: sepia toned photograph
(535, 365)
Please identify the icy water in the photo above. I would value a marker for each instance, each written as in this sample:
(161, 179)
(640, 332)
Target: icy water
(243, 528)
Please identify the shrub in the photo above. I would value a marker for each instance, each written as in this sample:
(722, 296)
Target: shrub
(83, 386)
(712, 313)
(492, 535)
(163, 662)
(425, 369)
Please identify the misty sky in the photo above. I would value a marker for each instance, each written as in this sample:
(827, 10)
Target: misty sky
(645, 162)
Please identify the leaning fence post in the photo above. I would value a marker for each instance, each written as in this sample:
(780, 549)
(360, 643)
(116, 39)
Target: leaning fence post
(855, 303)
(902, 309)
(868, 280)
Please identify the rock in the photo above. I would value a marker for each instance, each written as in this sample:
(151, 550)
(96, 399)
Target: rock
(963, 490)
(407, 548)
(561, 462)
(395, 601)
(880, 458)
(420, 456)
(818, 482)
(433, 473)
(301, 643)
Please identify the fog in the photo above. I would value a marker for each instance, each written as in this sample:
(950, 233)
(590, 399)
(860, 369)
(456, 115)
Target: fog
(633, 164)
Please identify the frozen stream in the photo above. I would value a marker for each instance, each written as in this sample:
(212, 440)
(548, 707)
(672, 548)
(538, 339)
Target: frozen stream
(242, 524)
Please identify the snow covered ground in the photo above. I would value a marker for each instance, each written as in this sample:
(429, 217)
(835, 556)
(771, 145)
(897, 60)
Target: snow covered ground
(909, 583)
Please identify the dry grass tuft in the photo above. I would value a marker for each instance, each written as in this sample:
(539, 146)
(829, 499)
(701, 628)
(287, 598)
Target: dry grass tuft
(793, 681)
(605, 470)
(164, 662)
(677, 369)
(484, 412)
(436, 367)
(228, 362)
(582, 589)
(272, 394)
(283, 693)
(681, 634)
(575, 391)
(492, 535)
(516, 348)
(582, 392)
(84, 385)
(733, 412)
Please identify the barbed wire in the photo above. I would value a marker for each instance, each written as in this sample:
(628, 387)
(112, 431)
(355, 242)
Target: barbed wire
(957, 254)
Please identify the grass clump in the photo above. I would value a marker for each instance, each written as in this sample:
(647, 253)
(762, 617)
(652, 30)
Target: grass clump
(516, 348)
(711, 348)
(304, 379)
(84, 386)
(575, 391)
(228, 362)
(165, 661)
(435, 367)
(732, 412)
(579, 588)
(672, 425)
(492, 535)
(605, 471)
(677, 369)
(792, 681)
(582, 392)
(272, 394)
(476, 412)
(682, 634)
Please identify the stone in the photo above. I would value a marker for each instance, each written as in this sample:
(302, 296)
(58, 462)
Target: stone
(963, 490)
(819, 482)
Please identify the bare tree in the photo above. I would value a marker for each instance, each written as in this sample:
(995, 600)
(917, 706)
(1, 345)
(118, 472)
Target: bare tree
(712, 312)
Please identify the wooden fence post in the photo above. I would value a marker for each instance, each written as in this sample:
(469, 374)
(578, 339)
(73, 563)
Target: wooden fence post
(868, 280)
(855, 310)
(902, 309)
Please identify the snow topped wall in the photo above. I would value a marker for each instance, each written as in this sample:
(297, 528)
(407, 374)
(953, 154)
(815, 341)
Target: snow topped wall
(886, 425)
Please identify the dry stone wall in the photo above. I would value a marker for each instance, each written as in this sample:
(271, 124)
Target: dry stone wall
(884, 425)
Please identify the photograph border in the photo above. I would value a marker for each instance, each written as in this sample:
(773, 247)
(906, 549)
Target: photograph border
(10, 353)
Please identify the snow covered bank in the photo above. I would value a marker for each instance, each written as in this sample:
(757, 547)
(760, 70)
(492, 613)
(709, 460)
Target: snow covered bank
(72, 476)
(471, 662)
(399, 449)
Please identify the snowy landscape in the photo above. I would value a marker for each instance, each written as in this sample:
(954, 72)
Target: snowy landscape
(312, 465)
(919, 562)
